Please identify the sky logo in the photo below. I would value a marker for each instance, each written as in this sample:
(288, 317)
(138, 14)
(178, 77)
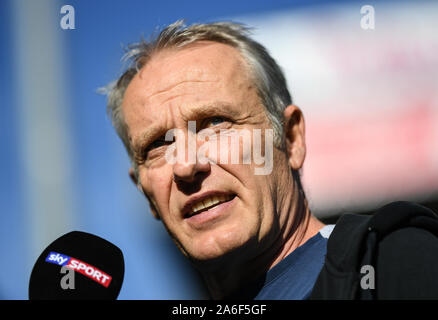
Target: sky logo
(81, 267)
(57, 258)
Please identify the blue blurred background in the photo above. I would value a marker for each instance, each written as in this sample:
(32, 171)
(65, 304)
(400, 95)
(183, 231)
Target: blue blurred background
(63, 168)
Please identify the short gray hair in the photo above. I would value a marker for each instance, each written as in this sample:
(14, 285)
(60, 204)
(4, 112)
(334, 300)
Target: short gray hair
(267, 75)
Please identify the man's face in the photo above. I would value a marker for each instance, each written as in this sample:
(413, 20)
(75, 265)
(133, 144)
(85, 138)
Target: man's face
(207, 82)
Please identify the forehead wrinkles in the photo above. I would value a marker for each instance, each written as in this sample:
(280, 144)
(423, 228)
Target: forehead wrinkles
(168, 71)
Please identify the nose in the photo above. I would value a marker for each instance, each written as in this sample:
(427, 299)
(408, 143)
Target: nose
(188, 168)
(189, 172)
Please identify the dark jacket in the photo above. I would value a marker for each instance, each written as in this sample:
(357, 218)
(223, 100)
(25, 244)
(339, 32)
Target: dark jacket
(400, 243)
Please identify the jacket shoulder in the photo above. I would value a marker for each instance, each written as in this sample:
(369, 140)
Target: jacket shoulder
(400, 240)
(407, 265)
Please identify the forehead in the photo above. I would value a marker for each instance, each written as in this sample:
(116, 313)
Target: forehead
(203, 61)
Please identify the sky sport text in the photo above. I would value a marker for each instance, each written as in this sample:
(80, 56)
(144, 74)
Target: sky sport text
(81, 267)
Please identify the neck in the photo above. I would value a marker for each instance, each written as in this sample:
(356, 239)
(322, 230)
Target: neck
(298, 226)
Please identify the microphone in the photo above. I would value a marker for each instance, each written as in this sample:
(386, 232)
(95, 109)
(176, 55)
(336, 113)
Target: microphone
(78, 266)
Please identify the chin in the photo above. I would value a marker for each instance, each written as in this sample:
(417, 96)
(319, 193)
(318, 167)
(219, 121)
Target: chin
(221, 246)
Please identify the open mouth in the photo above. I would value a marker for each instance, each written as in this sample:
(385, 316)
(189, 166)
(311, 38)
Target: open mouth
(208, 203)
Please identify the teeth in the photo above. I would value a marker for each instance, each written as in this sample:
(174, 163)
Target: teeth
(209, 202)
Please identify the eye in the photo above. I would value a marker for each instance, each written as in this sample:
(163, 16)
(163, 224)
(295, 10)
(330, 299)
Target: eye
(216, 120)
(154, 145)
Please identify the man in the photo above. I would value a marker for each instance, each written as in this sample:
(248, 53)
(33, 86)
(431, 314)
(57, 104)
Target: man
(250, 234)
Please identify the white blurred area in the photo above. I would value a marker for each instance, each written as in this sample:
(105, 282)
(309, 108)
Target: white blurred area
(369, 97)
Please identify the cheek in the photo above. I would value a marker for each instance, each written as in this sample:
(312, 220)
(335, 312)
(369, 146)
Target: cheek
(156, 184)
(254, 191)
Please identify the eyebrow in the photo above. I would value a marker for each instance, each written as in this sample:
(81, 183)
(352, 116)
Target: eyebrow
(204, 111)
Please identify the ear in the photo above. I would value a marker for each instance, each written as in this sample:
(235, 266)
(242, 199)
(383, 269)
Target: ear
(134, 179)
(295, 136)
